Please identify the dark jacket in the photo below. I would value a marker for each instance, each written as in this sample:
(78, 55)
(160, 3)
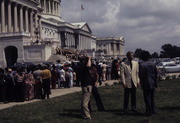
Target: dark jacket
(89, 76)
(148, 75)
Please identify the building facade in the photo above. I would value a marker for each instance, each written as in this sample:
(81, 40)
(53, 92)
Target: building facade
(110, 47)
(31, 29)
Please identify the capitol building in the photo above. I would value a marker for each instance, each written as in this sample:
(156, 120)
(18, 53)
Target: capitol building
(31, 30)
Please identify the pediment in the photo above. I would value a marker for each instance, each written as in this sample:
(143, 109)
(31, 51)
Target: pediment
(83, 26)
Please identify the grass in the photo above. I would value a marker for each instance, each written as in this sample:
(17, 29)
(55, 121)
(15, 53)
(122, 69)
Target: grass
(66, 109)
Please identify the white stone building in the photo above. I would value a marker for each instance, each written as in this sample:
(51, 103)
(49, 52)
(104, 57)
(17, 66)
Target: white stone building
(110, 47)
(31, 29)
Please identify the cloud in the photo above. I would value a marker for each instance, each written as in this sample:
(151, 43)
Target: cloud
(145, 24)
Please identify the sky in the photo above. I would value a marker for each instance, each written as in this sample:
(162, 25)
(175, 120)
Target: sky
(145, 24)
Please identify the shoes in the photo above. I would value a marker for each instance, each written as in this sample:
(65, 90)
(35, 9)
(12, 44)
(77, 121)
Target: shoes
(6, 102)
(125, 111)
(87, 118)
(154, 113)
(135, 111)
(148, 114)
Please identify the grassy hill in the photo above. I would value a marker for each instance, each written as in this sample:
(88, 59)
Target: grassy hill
(66, 109)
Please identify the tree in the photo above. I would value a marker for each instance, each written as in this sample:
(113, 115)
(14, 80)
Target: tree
(155, 55)
(170, 51)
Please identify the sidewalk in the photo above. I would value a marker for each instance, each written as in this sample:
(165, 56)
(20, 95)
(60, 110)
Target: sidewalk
(55, 93)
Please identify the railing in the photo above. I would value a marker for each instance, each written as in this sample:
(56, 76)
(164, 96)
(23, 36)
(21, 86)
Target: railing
(10, 34)
(41, 42)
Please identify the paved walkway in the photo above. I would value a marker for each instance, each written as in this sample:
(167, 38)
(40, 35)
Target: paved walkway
(55, 93)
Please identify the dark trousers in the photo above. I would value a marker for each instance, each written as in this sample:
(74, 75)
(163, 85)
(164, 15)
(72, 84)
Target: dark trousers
(2, 93)
(97, 98)
(10, 93)
(132, 92)
(46, 87)
(149, 101)
(20, 91)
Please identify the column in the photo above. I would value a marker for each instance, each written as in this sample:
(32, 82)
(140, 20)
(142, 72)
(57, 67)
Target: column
(31, 22)
(26, 20)
(21, 19)
(71, 40)
(2, 16)
(44, 6)
(82, 39)
(119, 48)
(39, 27)
(53, 7)
(114, 46)
(81, 42)
(15, 18)
(49, 7)
(35, 19)
(58, 9)
(109, 49)
(9, 17)
(59, 12)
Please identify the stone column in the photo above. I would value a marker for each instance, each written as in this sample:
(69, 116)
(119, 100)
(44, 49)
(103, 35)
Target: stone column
(21, 19)
(49, 7)
(2, 16)
(114, 47)
(39, 27)
(35, 19)
(31, 22)
(26, 20)
(119, 48)
(15, 18)
(81, 42)
(44, 6)
(57, 9)
(69, 39)
(9, 17)
(53, 8)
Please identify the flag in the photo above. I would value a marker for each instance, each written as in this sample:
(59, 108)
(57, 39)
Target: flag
(82, 8)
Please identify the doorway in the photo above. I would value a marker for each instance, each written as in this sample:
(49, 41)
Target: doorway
(11, 55)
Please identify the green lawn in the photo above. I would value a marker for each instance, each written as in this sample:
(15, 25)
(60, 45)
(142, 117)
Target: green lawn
(66, 109)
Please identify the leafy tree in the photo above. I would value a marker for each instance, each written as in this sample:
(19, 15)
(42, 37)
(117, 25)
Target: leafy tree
(155, 55)
(169, 51)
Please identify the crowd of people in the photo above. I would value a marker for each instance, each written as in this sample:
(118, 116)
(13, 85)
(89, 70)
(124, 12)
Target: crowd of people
(71, 54)
(23, 83)
(35, 82)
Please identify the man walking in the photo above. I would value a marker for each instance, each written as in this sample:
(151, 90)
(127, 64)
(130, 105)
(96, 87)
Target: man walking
(130, 78)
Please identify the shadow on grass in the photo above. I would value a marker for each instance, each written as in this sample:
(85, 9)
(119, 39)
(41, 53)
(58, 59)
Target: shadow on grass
(169, 108)
(121, 112)
(71, 113)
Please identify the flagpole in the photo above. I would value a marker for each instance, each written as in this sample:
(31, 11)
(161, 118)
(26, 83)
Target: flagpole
(81, 13)
(81, 10)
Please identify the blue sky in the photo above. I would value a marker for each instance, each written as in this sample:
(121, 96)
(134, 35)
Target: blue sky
(145, 24)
